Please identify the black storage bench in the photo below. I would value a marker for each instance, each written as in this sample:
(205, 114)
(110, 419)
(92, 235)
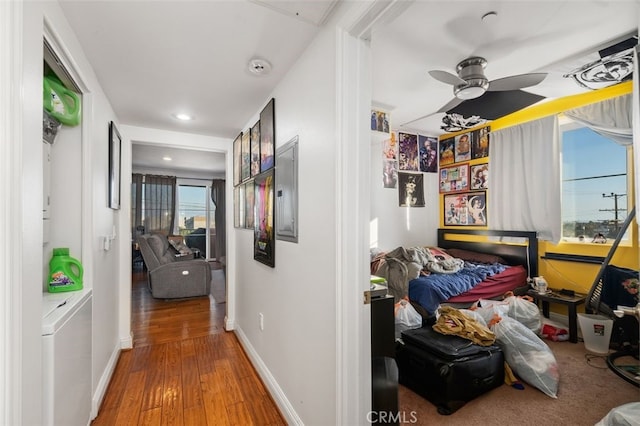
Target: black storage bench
(447, 370)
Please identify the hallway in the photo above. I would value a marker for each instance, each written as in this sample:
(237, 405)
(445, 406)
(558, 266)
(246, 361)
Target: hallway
(184, 368)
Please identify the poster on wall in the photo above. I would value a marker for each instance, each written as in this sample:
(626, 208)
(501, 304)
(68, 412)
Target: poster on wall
(465, 209)
(255, 149)
(445, 151)
(463, 147)
(454, 178)
(480, 143)
(389, 173)
(236, 207)
(237, 159)
(249, 197)
(267, 136)
(245, 156)
(263, 230)
(428, 154)
(379, 121)
(408, 152)
(479, 176)
(411, 189)
(390, 147)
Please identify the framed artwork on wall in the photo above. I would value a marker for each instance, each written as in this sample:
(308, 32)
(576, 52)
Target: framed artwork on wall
(480, 143)
(411, 189)
(115, 148)
(241, 206)
(466, 209)
(479, 176)
(249, 210)
(446, 148)
(454, 178)
(236, 207)
(267, 136)
(463, 147)
(255, 149)
(245, 156)
(408, 152)
(286, 176)
(263, 230)
(237, 160)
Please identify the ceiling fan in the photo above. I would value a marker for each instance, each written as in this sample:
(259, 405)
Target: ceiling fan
(471, 83)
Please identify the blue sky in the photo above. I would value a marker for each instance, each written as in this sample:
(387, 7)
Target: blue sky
(587, 154)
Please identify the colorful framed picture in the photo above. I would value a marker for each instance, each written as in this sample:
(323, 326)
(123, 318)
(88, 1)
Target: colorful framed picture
(463, 147)
(465, 209)
(480, 143)
(241, 206)
(236, 207)
(411, 189)
(245, 156)
(428, 147)
(263, 230)
(445, 150)
(408, 152)
(379, 121)
(389, 173)
(479, 176)
(267, 136)
(454, 178)
(249, 204)
(255, 149)
(237, 160)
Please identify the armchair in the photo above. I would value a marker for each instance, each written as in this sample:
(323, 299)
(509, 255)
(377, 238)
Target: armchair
(172, 274)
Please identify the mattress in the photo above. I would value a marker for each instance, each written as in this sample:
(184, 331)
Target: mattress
(430, 291)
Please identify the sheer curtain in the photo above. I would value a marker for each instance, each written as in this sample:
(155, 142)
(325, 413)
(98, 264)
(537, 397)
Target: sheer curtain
(218, 197)
(136, 205)
(612, 118)
(525, 179)
(159, 203)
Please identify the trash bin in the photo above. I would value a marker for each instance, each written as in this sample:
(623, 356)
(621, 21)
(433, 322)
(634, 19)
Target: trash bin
(596, 332)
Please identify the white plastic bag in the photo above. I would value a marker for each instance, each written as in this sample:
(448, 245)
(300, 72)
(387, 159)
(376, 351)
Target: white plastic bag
(624, 415)
(406, 317)
(525, 312)
(527, 355)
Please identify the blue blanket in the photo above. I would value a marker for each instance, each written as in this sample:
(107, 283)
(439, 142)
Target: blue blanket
(431, 290)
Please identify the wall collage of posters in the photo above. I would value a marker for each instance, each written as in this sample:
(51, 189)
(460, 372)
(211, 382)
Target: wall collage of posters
(463, 173)
(253, 181)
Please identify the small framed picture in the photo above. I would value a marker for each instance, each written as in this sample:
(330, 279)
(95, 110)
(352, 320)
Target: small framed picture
(237, 160)
(267, 136)
(466, 209)
(255, 149)
(245, 156)
(411, 189)
(454, 178)
(115, 149)
(479, 176)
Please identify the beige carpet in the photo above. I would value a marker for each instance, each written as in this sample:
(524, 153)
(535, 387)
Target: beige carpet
(218, 286)
(588, 390)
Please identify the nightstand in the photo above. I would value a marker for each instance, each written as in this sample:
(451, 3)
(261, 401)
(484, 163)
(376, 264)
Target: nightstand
(571, 302)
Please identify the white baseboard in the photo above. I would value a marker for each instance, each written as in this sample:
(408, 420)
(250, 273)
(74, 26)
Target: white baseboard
(103, 384)
(276, 392)
(229, 324)
(127, 342)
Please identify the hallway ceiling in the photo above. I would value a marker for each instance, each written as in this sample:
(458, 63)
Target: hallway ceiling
(157, 58)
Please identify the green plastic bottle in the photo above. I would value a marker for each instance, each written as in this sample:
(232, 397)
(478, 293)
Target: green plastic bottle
(65, 272)
(60, 102)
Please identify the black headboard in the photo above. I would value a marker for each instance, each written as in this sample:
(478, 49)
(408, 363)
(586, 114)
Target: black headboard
(516, 247)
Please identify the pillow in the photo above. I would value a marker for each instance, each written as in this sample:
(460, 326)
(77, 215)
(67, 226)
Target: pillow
(438, 253)
(476, 257)
(180, 247)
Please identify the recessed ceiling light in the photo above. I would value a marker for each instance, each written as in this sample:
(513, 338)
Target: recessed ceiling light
(183, 117)
(167, 158)
(259, 66)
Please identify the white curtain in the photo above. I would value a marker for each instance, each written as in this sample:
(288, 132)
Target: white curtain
(612, 118)
(636, 128)
(525, 179)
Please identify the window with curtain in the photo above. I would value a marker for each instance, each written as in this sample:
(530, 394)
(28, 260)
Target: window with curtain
(159, 197)
(594, 184)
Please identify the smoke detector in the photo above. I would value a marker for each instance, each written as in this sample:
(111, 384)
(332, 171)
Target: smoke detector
(259, 66)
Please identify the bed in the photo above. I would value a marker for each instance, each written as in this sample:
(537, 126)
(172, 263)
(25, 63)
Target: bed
(517, 256)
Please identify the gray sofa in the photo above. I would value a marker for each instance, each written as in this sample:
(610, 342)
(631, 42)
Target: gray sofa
(172, 274)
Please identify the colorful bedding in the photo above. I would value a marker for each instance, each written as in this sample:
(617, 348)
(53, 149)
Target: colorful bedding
(471, 283)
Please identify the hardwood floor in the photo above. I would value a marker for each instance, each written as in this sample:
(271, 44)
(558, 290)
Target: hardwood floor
(184, 369)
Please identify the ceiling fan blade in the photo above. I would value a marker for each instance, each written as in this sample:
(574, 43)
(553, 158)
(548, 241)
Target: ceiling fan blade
(516, 82)
(446, 77)
(451, 105)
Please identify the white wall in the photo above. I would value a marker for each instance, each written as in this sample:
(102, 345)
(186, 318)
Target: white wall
(393, 226)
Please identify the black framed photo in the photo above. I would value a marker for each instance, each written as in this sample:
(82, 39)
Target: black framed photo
(255, 149)
(237, 159)
(411, 189)
(115, 155)
(263, 230)
(249, 205)
(267, 136)
(245, 156)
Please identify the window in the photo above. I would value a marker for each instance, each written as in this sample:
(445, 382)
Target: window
(196, 220)
(594, 184)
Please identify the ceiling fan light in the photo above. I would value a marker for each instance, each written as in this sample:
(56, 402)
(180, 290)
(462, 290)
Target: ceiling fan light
(468, 92)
